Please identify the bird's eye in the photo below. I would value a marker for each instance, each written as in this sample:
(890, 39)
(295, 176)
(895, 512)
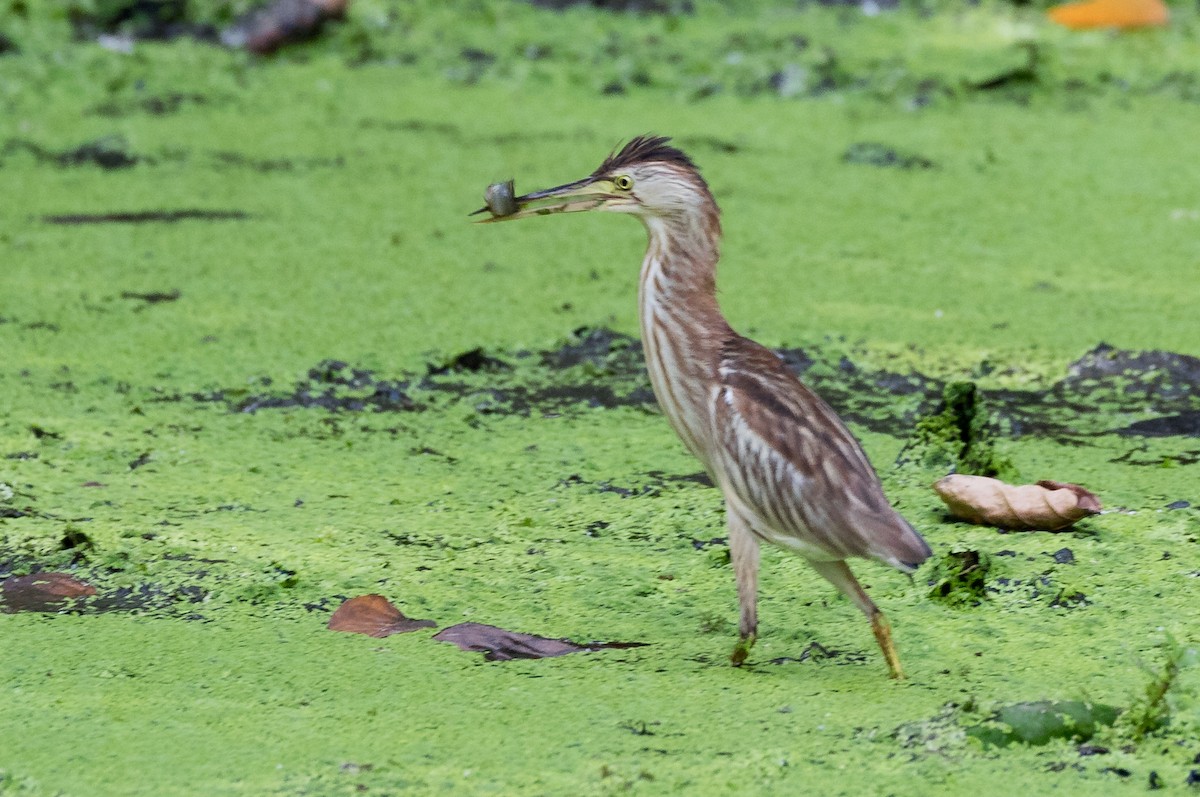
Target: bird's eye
(623, 182)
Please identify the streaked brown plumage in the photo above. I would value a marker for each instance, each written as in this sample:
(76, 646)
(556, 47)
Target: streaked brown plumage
(791, 472)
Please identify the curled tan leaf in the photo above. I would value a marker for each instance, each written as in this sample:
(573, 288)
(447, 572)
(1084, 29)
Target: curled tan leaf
(375, 616)
(1047, 505)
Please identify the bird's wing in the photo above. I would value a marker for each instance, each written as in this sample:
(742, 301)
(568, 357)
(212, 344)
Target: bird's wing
(795, 465)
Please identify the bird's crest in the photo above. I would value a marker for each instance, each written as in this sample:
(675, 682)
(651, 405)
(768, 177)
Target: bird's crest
(641, 150)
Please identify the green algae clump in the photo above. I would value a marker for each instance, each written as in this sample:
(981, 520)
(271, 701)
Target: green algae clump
(960, 578)
(957, 438)
(1040, 721)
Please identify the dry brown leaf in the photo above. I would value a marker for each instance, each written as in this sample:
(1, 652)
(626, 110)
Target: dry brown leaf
(375, 616)
(499, 644)
(42, 592)
(1046, 506)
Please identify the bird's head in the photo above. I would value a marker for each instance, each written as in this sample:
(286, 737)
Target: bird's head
(647, 178)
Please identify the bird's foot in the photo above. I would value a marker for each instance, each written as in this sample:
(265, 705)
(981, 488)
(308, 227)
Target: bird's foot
(883, 635)
(742, 650)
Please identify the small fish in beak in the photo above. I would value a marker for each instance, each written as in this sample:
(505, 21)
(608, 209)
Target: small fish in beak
(500, 199)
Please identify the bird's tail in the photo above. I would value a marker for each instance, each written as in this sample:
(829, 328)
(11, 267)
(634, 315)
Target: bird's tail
(904, 548)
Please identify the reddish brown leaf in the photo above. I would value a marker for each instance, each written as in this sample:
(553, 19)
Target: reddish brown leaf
(375, 616)
(42, 592)
(498, 644)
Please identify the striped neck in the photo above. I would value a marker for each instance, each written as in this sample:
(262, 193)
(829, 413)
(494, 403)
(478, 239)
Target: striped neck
(682, 325)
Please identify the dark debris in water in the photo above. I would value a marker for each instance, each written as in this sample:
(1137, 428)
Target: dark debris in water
(872, 153)
(108, 152)
(1104, 384)
(238, 160)
(1184, 424)
(55, 592)
(818, 652)
(156, 105)
(656, 484)
(154, 20)
(597, 368)
(146, 216)
(334, 385)
(471, 361)
(152, 297)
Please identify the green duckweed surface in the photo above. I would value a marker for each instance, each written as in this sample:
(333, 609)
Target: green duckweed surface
(154, 442)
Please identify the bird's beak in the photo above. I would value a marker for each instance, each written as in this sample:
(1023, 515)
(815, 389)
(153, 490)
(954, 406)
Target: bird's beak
(585, 194)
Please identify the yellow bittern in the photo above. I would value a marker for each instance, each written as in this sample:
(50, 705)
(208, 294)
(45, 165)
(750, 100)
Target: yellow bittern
(791, 472)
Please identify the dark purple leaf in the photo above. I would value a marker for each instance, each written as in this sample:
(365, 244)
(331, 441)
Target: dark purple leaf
(498, 644)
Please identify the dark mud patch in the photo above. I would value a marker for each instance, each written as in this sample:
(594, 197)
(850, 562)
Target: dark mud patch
(331, 385)
(1141, 455)
(872, 153)
(472, 361)
(656, 483)
(1185, 424)
(109, 152)
(147, 217)
(597, 368)
(1103, 386)
(152, 297)
(817, 652)
(152, 20)
(598, 348)
(444, 131)
(65, 593)
(47, 326)
(157, 105)
(1145, 375)
(238, 160)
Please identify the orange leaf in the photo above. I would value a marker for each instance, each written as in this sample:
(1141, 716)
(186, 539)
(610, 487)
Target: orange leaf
(1110, 14)
(375, 616)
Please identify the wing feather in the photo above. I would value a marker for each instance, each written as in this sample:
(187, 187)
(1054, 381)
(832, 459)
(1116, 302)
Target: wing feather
(793, 463)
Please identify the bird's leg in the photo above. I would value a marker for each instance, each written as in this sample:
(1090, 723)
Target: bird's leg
(838, 573)
(743, 550)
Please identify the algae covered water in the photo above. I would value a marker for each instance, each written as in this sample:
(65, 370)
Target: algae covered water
(254, 360)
